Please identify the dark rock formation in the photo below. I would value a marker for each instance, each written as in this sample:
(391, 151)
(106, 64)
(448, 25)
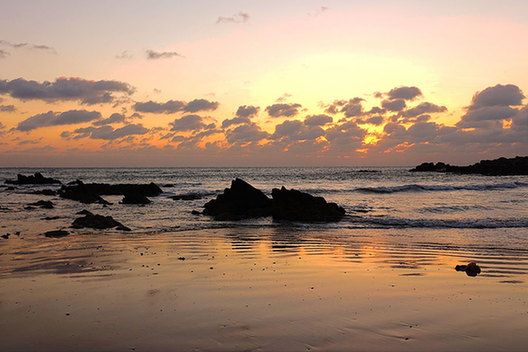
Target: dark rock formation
(36, 179)
(91, 192)
(497, 167)
(472, 269)
(100, 222)
(187, 196)
(46, 192)
(47, 218)
(431, 167)
(196, 212)
(135, 198)
(80, 192)
(56, 234)
(298, 206)
(84, 212)
(241, 201)
(6, 236)
(44, 204)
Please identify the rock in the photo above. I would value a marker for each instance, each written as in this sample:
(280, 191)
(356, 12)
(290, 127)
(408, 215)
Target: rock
(187, 196)
(44, 204)
(361, 210)
(472, 269)
(84, 212)
(6, 236)
(36, 179)
(428, 167)
(46, 192)
(496, 167)
(135, 198)
(56, 234)
(11, 188)
(196, 212)
(241, 201)
(299, 206)
(168, 185)
(123, 228)
(91, 192)
(96, 221)
(80, 193)
(51, 218)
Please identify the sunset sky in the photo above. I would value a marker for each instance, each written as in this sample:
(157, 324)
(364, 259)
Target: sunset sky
(262, 83)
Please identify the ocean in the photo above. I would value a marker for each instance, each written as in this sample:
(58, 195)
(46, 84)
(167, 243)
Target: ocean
(372, 198)
(381, 278)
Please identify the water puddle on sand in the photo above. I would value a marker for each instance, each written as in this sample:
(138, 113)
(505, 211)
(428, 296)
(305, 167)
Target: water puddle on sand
(262, 290)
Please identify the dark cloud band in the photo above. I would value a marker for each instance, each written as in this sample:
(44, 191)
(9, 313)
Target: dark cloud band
(87, 92)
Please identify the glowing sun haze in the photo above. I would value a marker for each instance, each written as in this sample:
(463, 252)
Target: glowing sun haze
(247, 83)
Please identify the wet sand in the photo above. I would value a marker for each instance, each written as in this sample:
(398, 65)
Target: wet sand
(278, 289)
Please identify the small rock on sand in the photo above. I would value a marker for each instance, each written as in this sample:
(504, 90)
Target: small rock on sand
(471, 269)
(44, 204)
(56, 234)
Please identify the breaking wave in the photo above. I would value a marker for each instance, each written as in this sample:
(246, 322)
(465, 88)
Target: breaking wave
(441, 223)
(428, 188)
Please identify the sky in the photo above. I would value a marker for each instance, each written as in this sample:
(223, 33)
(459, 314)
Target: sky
(251, 83)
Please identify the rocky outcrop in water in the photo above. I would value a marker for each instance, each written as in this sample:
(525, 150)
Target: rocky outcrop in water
(99, 222)
(82, 193)
(92, 192)
(36, 179)
(187, 196)
(44, 204)
(497, 167)
(299, 206)
(135, 198)
(46, 192)
(241, 201)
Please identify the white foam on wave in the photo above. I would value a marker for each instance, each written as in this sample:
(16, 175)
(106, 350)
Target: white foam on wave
(488, 223)
(425, 188)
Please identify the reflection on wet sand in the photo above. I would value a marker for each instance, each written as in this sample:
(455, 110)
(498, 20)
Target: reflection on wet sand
(279, 289)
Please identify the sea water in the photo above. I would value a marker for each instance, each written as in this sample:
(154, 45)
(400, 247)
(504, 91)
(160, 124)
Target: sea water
(373, 198)
(383, 278)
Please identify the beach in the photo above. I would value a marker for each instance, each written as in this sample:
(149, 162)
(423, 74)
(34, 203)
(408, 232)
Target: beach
(267, 176)
(264, 285)
(229, 290)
